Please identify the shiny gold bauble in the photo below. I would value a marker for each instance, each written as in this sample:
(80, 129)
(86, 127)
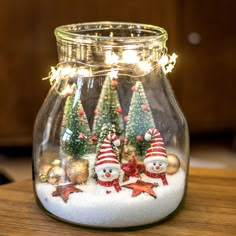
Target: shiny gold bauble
(128, 151)
(173, 164)
(43, 172)
(77, 172)
(56, 175)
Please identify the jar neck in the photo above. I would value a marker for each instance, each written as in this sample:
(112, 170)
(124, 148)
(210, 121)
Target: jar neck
(107, 43)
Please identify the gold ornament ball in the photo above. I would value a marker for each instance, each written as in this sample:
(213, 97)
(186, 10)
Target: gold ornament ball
(78, 172)
(128, 151)
(56, 175)
(43, 172)
(173, 164)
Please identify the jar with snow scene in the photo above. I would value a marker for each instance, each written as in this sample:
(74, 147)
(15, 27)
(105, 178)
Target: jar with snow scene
(111, 145)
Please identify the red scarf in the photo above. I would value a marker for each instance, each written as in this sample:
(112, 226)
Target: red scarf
(114, 183)
(162, 176)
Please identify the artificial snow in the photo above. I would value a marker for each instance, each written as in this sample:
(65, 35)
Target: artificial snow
(93, 207)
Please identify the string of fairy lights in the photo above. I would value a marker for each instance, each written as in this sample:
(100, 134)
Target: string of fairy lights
(64, 71)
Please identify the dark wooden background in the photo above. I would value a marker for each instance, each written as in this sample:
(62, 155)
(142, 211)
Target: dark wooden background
(203, 80)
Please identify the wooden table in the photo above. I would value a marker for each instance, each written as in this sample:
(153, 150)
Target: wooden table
(210, 209)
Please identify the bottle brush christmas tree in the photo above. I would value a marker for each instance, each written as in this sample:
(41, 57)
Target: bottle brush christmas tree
(106, 130)
(108, 111)
(75, 132)
(139, 120)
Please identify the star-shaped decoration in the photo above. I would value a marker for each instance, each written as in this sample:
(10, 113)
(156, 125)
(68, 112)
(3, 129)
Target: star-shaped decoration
(142, 187)
(132, 168)
(173, 57)
(65, 190)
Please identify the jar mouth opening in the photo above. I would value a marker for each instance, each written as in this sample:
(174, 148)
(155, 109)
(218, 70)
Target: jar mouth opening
(108, 30)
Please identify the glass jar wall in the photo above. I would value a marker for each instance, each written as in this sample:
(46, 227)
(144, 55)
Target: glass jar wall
(111, 145)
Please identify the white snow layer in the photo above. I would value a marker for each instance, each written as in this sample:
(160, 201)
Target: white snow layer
(93, 207)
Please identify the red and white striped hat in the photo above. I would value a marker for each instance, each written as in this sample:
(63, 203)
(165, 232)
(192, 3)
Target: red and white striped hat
(107, 156)
(157, 150)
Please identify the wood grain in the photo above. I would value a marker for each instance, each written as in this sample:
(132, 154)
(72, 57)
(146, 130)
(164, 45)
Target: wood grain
(209, 209)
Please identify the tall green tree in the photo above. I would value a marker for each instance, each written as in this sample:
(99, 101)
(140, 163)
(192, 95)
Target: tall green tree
(108, 111)
(139, 120)
(75, 132)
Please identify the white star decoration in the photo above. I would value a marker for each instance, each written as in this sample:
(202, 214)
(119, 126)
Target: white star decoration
(168, 62)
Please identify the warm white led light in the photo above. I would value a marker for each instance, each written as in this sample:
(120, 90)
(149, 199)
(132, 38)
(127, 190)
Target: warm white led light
(145, 66)
(111, 58)
(67, 90)
(130, 57)
(113, 74)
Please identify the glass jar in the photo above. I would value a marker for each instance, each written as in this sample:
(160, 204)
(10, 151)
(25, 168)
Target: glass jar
(111, 145)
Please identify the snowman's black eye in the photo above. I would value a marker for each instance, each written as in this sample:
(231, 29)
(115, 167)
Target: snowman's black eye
(154, 163)
(110, 170)
(104, 170)
(160, 164)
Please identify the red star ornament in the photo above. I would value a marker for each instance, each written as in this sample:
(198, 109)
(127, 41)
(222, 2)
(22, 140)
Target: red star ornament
(132, 168)
(142, 187)
(65, 190)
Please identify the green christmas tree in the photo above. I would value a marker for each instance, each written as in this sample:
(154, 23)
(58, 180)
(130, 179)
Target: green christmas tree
(106, 129)
(75, 132)
(139, 120)
(108, 111)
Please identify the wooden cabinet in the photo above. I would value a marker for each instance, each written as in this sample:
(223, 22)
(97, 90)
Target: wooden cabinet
(203, 79)
(207, 78)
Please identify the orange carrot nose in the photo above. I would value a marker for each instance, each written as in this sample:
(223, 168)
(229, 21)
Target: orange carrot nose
(157, 167)
(107, 174)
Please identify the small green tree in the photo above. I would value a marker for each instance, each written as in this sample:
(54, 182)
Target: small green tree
(75, 132)
(108, 111)
(139, 120)
(106, 129)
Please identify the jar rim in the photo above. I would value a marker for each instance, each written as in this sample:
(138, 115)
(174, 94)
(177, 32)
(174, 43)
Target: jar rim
(110, 30)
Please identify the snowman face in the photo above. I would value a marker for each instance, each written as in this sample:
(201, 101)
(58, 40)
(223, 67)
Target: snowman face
(156, 166)
(108, 173)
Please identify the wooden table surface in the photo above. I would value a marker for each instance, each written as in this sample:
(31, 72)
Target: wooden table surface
(210, 209)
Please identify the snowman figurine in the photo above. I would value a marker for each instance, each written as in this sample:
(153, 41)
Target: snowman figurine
(107, 166)
(155, 161)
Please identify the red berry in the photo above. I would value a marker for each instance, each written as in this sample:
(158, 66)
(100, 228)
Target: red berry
(139, 138)
(81, 112)
(94, 138)
(114, 83)
(68, 94)
(126, 118)
(133, 88)
(119, 110)
(82, 136)
(144, 107)
(95, 111)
